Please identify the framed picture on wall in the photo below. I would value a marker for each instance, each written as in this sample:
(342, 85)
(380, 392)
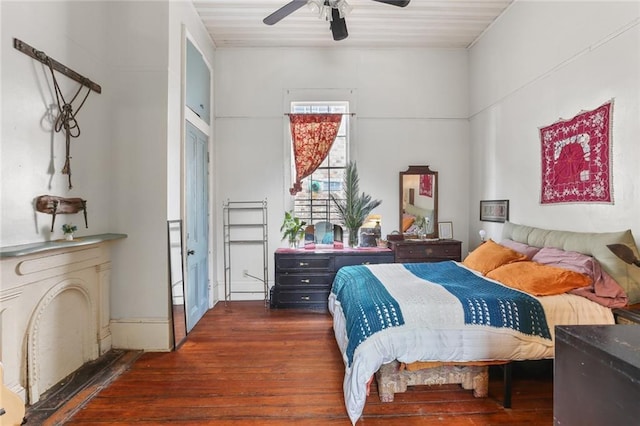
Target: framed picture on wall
(445, 230)
(494, 210)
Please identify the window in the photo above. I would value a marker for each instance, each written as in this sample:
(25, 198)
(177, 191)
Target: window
(313, 204)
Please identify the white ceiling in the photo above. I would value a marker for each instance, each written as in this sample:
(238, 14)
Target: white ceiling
(423, 23)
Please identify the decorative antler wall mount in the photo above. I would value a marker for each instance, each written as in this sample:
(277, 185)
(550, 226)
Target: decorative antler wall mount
(53, 205)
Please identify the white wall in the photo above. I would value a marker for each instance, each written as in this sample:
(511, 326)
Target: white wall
(31, 153)
(539, 62)
(120, 162)
(410, 104)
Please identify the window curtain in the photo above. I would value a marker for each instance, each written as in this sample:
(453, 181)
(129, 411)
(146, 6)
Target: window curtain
(313, 135)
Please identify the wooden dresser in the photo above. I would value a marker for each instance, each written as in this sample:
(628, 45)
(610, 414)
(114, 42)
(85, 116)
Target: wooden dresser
(596, 375)
(409, 251)
(303, 278)
(627, 315)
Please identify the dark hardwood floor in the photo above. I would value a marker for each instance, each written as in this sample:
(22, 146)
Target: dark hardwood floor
(246, 364)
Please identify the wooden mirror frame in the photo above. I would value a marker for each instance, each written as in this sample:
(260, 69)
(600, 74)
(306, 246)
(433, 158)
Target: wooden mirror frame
(177, 293)
(420, 170)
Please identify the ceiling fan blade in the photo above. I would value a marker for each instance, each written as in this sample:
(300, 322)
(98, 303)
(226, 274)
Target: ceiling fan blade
(284, 11)
(399, 3)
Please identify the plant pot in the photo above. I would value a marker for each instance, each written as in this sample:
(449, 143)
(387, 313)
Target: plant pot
(68, 237)
(293, 244)
(353, 238)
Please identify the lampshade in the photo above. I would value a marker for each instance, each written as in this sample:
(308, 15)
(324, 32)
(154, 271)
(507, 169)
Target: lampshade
(625, 253)
(370, 221)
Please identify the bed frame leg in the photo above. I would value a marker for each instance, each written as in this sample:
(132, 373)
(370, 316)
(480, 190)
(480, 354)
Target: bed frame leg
(507, 385)
(390, 381)
(480, 380)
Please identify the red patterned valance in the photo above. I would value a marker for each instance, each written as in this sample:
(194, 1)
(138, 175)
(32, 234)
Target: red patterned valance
(576, 158)
(313, 136)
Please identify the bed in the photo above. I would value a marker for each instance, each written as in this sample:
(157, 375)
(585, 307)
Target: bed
(463, 317)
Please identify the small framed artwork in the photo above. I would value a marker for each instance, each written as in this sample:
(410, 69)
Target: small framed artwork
(494, 210)
(445, 230)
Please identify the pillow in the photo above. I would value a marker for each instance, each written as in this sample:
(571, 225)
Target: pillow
(537, 279)
(604, 289)
(407, 221)
(523, 248)
(591, 243)
(489, 255)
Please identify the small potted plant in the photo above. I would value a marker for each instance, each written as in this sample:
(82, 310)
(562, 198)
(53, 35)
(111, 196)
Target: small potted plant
(69, 229)
(292, 229)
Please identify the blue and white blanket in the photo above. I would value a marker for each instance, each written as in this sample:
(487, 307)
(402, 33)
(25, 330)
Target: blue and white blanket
(428, 312)
(369, 308)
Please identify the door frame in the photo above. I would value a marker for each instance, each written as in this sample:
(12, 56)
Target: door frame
(207, 129)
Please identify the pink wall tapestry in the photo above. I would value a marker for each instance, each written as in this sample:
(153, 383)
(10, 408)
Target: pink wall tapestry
(576, 158)
(426, 185)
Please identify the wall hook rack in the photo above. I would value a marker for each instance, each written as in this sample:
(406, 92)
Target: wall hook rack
(42, 57)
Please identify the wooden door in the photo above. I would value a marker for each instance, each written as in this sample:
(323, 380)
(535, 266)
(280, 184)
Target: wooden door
(197, 235)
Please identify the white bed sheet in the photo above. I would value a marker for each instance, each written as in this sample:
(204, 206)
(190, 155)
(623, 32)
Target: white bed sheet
(444, 341)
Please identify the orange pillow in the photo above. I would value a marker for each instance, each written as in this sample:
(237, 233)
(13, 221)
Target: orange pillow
(407, 222)
(538, 279)
(490, 255)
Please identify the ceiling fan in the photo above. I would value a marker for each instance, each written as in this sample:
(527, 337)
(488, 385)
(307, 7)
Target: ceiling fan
(337, 9)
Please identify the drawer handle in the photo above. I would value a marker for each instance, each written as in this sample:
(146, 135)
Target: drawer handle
(307, 281)
(304, 263)
(429, 251)
(305, 298)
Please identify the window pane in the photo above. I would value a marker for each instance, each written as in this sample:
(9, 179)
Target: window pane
(314, 204)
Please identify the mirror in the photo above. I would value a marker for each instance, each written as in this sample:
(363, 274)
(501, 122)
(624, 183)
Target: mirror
(418, 201)
(176, 283)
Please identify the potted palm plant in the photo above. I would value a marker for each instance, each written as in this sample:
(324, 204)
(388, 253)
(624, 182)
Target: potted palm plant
(356, 206)
(292, 229)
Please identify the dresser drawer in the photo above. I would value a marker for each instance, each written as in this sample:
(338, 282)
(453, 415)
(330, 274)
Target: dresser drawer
(304, 280)
(423, 251)
(304, 263)
(363, 259)
(282, 298)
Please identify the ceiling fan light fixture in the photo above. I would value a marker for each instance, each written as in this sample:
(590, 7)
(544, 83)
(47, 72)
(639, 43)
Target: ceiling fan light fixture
(324, 8)
(314, 6)
(324, 11)
(343, 7)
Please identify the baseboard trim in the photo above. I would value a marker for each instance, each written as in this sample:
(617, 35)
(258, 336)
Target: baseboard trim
(146, 334)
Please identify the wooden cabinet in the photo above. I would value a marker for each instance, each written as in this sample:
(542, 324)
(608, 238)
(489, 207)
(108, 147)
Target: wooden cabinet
(628, 315)
(596, 375)
(198, 83)
(409, 251)
(303, 278)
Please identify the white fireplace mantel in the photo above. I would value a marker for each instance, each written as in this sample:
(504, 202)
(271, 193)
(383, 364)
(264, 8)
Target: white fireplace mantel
(54, 310)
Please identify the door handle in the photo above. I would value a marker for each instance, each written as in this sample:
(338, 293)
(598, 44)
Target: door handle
(190, 252)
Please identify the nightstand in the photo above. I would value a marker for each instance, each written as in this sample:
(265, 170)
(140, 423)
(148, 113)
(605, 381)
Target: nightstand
(596, 373)
(411, 251)
(627, 315)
